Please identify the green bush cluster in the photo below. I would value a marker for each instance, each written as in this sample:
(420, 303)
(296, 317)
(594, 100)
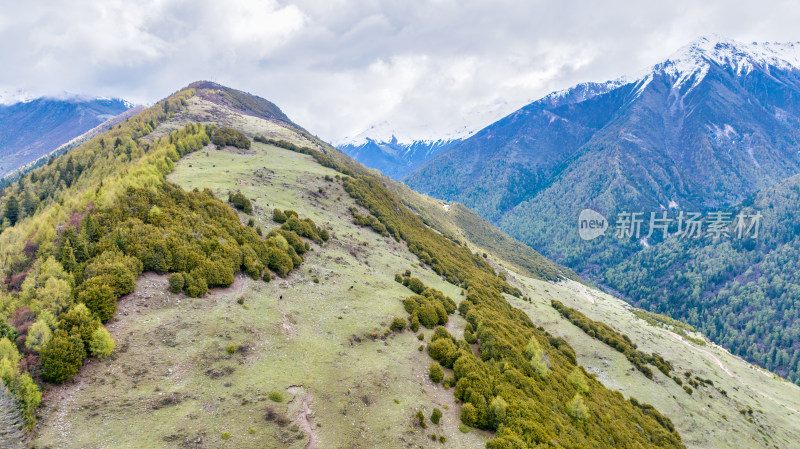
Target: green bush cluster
(194, 235)
(430, 308)
(228, 136)
(616, 340)
(240, 202)
(58, 277)
(398, 324)
(305, 228)
(435, 372)
(71, 279)
(64, 354)
(368, 221)
(457, 264)
(278, 216)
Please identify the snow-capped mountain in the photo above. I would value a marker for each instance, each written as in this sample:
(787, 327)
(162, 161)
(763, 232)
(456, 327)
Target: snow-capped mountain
(704, 128)
(396, 151)
(11, 96)
(33, 127)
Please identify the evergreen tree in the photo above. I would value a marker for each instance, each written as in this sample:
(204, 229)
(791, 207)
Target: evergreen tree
(67, 256)
(12, 210)
(63, 356)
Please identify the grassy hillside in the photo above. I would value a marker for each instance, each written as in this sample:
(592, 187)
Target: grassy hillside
(333, 352)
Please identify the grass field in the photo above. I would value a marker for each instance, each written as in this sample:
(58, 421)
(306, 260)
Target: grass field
(173, 382)
(705, 419)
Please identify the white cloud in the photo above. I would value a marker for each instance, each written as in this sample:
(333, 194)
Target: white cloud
(338, 66)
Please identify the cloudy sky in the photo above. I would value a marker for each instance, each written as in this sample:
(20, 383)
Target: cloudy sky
(336, 67)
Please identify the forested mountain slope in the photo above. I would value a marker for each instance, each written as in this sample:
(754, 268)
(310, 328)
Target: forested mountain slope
(704, 131)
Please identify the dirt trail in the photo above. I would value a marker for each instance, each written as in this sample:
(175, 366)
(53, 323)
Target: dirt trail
(709, 355)
(303, 418)
(287, 325)
(719, 363)
(585, 293)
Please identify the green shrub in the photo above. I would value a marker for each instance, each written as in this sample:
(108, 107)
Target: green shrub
(101, 344)
(398, 324)
(226, 435)
(435, 372)
(6, 330)
(578, 380)
(176, 282)
(414, 284)
(228, 136)
(194, 286)
(469, 415)
(577, 409)
(497, 411)
(470, 337)
(278, 216)
(231, 349)
(99, 298)
(448, 383)
(240, 202)
(63, 356)
(275, 396)
(279, 261)
(436, 416)
(420, 418)
(79, 320)
(414, 326)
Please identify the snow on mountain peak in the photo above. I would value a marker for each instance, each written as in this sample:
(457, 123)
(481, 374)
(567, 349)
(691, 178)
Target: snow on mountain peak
(13, 96)
(692, 61)
(9, 97)
(456, 127)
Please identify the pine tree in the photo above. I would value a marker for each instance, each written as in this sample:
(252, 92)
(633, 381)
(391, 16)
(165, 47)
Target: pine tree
(12, 210)
(67, 256)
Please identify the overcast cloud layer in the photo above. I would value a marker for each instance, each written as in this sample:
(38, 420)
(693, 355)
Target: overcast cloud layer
(337, 67)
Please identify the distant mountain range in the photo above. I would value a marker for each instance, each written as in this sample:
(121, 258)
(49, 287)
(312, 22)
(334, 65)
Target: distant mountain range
(393, 158)
(33, 127)
(712, 127)
(397, 151)
(705, 128)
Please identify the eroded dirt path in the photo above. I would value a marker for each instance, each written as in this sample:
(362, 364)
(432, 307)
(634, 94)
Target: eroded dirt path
(708, 355)
(304, 412)
(722, 366)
